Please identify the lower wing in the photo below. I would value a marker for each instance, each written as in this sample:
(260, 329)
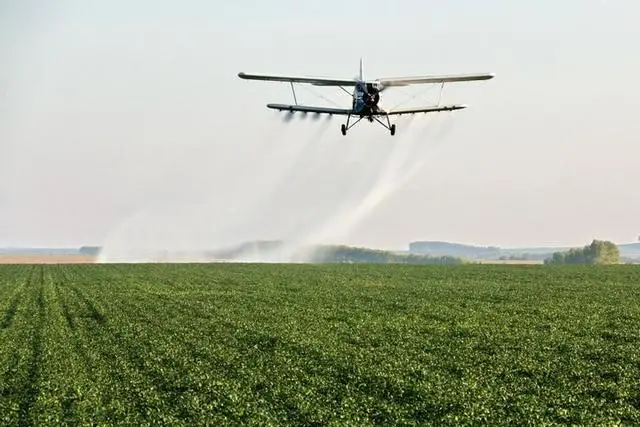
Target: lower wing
(344, 111)
(434, 109)
(308, 109)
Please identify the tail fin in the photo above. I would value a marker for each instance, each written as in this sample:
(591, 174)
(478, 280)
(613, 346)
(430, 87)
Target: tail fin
(361, 70)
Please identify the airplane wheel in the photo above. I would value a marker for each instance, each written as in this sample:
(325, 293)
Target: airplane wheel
(343, 129)
(393, 129)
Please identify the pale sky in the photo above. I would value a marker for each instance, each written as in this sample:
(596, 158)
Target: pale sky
(124, 123)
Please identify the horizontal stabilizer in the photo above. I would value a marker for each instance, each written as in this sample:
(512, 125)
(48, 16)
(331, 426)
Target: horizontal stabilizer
(309, 109)
(434, 109)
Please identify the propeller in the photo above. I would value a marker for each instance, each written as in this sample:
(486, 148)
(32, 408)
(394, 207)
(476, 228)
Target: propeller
(380, 86)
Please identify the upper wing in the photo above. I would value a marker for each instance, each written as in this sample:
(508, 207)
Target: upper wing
(318, 81)
(433, 109)
(405, 81)
(307, 109)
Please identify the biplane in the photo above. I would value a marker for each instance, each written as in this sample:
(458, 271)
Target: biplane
(366, 95)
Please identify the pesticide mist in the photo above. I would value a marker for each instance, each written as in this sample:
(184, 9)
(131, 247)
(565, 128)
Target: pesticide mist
(300, 185)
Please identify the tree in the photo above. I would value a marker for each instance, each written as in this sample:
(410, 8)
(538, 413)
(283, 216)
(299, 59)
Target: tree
(599, 252)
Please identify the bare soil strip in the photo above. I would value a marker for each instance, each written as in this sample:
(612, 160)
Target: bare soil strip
(47, 259)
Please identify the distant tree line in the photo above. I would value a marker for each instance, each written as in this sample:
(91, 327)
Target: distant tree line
(347, 254)
(522, 257)
(435, 248)
(330, 254)
(598, 252)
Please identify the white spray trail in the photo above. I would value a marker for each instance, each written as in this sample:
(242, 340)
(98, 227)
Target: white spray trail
(188, 230)
(407, 158)
(306, 191)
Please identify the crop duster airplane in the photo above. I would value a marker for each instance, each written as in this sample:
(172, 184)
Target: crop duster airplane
(366, 95)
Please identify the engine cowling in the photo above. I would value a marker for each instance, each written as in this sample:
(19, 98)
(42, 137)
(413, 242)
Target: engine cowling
(372, 97)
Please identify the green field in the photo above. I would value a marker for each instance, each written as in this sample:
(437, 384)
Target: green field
(319, 344)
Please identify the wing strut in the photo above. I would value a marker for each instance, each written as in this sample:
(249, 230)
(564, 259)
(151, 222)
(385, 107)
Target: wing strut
(440, 96)
(346, 91)
(294, 94)
(354, 123)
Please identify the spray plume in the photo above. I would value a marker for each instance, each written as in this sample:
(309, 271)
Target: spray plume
(304, 192)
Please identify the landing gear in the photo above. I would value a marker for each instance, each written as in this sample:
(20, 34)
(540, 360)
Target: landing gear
(388, 125)
(345, 127)
(371, 117)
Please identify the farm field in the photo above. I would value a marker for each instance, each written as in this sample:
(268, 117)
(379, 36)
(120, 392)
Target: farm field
(229, 344)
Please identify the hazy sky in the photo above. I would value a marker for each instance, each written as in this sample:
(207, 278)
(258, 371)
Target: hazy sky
(125, 120)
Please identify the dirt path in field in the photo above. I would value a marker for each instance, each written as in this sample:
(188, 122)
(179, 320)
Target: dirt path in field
(47, 259)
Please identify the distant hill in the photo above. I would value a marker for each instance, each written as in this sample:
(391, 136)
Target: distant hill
(437, 248)
(90, 250)
(630, 250)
